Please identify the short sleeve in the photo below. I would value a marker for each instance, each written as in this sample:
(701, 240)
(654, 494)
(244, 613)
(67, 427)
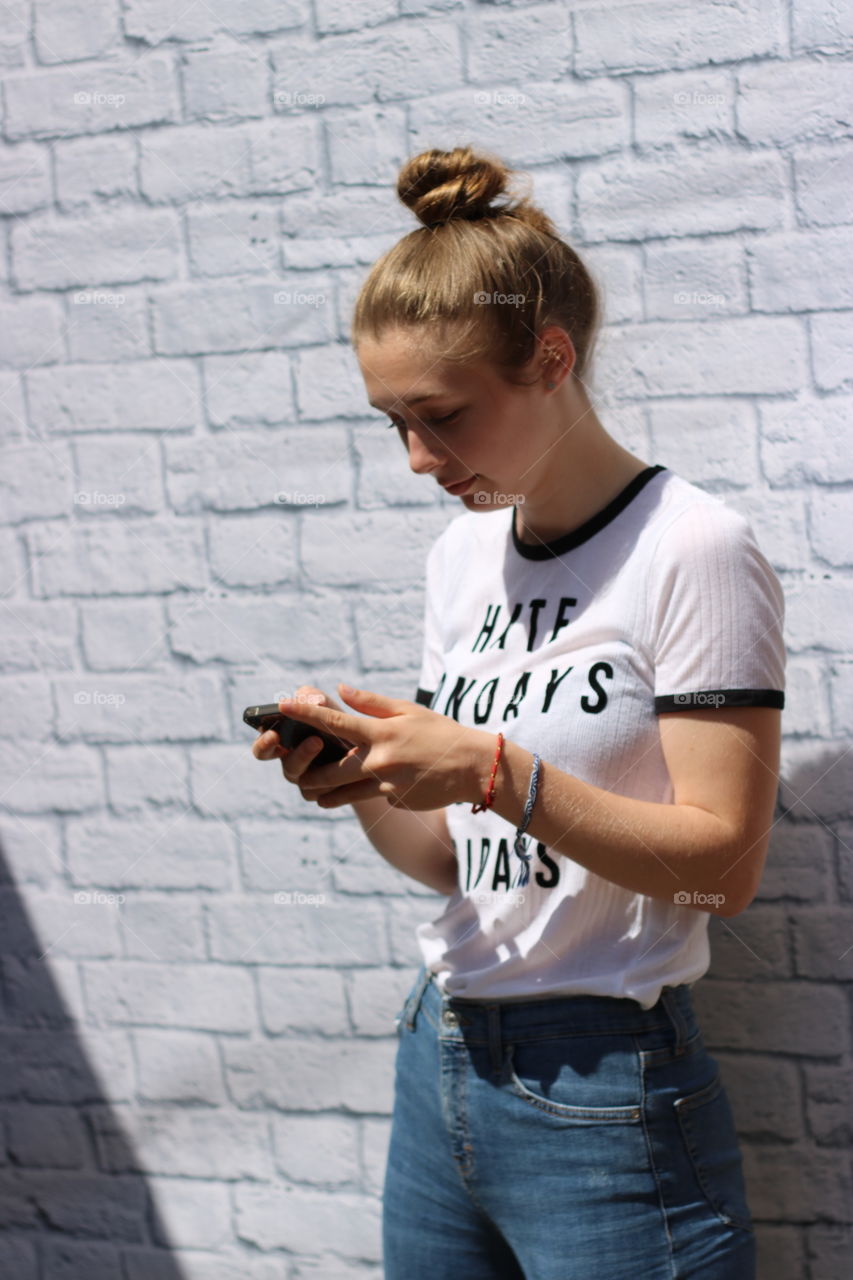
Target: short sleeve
(718, 615)
(432, 660)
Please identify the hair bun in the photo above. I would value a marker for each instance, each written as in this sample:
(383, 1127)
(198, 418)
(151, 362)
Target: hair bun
(442, 185)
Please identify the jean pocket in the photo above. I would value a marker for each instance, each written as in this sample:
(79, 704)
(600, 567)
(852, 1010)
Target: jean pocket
(710, 1139)
(550, 1077)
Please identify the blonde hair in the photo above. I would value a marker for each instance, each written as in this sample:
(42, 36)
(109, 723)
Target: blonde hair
(470, 251)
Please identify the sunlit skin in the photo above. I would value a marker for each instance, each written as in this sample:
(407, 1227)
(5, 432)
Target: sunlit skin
(546, 447)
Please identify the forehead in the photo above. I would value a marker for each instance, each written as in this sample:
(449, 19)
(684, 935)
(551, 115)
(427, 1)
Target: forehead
(408, 365)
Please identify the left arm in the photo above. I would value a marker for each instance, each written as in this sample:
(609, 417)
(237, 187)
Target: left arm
(712, 840)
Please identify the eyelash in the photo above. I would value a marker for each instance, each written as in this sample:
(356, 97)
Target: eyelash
(435, 422)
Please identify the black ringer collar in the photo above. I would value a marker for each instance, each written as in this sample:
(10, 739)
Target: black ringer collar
(546, 550)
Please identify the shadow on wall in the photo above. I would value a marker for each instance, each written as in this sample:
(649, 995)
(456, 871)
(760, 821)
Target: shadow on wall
(73, 1201)
(775, 1012)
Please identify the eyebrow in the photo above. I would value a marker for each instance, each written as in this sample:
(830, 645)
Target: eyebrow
(414, 400)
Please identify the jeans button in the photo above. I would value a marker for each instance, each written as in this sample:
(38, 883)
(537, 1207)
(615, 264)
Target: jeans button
(449, 1018)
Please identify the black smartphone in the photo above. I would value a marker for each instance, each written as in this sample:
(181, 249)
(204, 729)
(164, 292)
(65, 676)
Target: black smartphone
(292, 732)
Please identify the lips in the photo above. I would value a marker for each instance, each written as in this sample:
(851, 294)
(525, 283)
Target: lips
(460, 486)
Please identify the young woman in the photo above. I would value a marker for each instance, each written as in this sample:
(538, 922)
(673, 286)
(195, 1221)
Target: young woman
(589, 771)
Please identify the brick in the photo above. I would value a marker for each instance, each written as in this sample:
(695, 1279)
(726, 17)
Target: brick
(329, 384)
(789, 101)
(246, 631)
(809, 1185)
(806, 440)
(177, 853)
(376, 996)
(823, 176)
(375, 1141)
(188, 162)
(779, 1251)
(376, 541)
(755, 947)
(387, 630)
(840, 697)
(143, 778)
(773, 1017)
(45, 1138)
(828, 1250)
(284, 155)
(528, 123)
(18, 1256)
(775, 515)
(829, 517)
(100, 560)
(831, 346)
(36, 481)
(274, 858)
(68, 779)
(38, 996)
(68, 1259)
(253, 551)
(229, 239)
(53, 1066)
(123, 636)
(31, 851)
(297, 1219)
(384, 477)
(683, 104)
(813, 787)
(228, 782)
(822, 943)
(806, 698)
(403, 919)
(239, 471)
(13, 425)
(112, 325)
(135, 708)
(68, 30)
(180, 1067)
(184, 1142)
(643, 37)
(24, 178)
(743, 355)
(303, 1000)
(694, 280)
(31, 332)
(67, 923)
(337, 15)
(534, 44)
(117, 95)
(249, 389)
(319, 1149)
(142, 395)
(162, 928)
(155, 20)
(720, 431)
(821, 24)
(404, 60)
(714, 192)
(146, 1264)
(195, 1215)
(89, 170)
(226, 82)
(367, 143)
(117, 474)
(204, 318)
(202, 997)
(51, 253)
(765, 1096)
(266, 931)
(828, 1091)
(15, 33)
(802, 272)
(818, 613)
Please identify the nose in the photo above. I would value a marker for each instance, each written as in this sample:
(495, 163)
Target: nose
(422, 458)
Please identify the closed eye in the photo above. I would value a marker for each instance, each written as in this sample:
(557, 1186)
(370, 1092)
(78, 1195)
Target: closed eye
(434, 422)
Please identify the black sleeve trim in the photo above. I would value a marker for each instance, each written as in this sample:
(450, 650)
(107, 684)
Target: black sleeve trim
(716, 698)
(425, 697)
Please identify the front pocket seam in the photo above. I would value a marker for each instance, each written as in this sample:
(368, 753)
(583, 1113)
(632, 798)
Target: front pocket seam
(566, 1110)
(683, 1107)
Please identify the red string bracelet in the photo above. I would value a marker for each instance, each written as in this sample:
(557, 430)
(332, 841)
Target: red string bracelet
(490, 790)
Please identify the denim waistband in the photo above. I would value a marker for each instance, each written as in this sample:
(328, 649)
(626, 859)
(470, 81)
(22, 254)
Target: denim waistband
(492, 1021)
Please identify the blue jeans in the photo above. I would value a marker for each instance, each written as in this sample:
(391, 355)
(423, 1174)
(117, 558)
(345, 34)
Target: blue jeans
(566, 1138)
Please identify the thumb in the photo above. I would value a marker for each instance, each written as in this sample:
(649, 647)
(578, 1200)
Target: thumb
(375, 704)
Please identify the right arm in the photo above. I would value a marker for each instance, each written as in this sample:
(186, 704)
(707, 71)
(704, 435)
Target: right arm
(416, 843)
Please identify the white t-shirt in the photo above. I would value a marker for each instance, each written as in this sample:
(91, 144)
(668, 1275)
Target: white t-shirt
(660, 602)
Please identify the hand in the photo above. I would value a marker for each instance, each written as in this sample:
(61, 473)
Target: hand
(295, 761)
(414, 757)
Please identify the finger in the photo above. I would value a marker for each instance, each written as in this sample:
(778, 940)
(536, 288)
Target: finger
(299, 758)
(354, 791)
(353, 729)
(374, 704)
(267, 746)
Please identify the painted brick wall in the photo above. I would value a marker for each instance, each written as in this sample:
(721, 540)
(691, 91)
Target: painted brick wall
(200, 510)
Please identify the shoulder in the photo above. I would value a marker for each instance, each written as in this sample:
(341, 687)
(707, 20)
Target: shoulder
(690, 522)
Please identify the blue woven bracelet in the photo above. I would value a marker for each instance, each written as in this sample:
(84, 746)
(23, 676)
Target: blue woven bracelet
(528, 810)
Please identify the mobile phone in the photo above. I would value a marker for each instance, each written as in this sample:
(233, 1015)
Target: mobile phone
(292, 732)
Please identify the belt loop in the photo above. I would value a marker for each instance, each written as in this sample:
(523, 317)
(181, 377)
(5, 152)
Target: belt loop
(414, 1001)
(671, 1005)
(494, 1012)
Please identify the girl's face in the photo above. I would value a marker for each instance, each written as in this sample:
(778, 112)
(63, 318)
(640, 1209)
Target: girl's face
(456, 421)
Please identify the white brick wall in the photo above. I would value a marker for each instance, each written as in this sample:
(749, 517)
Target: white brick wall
(191, 195)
